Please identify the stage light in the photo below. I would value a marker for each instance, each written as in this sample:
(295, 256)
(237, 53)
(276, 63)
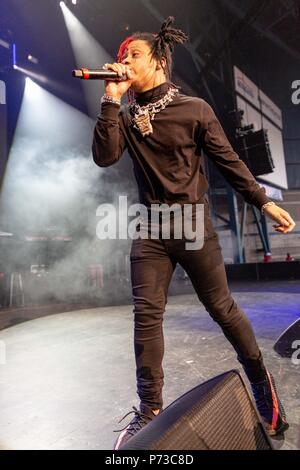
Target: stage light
(35, 76)
(14, 56)
(43, 80)
(32, 90)
(32, 59)
(4, 44)
(87, 52)
(62, 4)
(74, 2)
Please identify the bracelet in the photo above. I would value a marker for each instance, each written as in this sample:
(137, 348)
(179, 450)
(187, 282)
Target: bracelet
(110, 99)
(271, 203)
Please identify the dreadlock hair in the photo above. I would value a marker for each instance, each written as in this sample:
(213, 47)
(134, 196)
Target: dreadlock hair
(161, 44)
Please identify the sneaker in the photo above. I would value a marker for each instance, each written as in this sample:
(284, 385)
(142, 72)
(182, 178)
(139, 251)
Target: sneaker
(269, 405)
(141, 419)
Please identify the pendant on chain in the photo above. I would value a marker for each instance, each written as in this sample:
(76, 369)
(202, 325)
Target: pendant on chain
(142, 122)
(142, 115)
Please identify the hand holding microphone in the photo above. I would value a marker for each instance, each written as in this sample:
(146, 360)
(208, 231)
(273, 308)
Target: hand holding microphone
(118, 78)
(117, 88)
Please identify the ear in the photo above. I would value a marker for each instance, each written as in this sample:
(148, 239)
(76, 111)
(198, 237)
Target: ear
(161, 64)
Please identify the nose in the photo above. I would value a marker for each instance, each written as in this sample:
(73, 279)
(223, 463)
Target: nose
(125, 61)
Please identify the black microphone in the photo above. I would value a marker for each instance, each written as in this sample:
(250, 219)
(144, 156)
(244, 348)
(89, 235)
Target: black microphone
(94, 74)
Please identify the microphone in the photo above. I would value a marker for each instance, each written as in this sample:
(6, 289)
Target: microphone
(95, 74)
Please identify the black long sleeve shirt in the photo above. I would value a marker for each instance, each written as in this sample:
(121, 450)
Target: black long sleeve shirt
(167, 164)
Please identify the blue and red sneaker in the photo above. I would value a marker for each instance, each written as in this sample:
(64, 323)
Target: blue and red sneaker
(269, 405)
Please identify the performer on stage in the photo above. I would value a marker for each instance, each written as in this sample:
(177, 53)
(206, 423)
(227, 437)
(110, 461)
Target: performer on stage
(164, 132)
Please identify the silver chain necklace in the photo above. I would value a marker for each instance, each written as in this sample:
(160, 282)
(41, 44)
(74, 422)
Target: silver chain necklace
(142, 115)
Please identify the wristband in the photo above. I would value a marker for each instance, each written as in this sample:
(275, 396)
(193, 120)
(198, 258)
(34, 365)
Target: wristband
(271, 203)
(110, 99)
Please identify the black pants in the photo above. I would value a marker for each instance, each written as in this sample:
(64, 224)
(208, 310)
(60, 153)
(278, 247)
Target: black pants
(152, 265)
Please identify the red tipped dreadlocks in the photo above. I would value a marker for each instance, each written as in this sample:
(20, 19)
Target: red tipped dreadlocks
(123, 48)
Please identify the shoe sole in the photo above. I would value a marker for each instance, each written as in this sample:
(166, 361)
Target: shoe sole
(277, 432)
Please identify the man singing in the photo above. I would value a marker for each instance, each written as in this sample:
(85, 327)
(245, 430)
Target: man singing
(165, 132)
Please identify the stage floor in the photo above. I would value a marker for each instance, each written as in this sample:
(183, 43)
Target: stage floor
(69, 377)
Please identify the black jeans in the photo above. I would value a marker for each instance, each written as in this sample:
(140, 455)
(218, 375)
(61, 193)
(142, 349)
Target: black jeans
(152, 265)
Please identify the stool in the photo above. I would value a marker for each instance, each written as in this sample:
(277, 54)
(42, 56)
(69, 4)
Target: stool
(16, 288)
(96, 275)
